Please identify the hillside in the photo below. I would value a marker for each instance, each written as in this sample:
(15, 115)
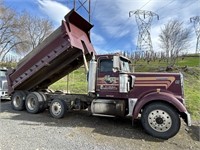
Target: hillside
(189, 66)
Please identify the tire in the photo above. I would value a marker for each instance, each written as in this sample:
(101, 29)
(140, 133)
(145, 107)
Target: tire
(45, 103)
(160, 120)
(34, 102)
(58, 108)
(18, 100)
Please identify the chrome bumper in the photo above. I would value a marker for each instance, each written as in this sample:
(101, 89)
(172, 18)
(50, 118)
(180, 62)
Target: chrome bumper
(188, 119)
(3, 95)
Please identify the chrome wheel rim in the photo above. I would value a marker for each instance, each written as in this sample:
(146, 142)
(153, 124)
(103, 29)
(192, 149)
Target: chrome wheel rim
(159, 120)
(56, 108)
(31, 103)
(16, 101)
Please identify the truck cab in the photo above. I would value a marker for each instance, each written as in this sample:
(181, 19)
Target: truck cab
(156, 98)
(3, 84)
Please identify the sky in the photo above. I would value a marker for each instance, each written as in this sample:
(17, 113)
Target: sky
(113, 29)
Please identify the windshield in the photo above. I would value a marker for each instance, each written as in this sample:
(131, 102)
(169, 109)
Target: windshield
(2, 79)
(125, 65)
(2, 73)
(5, 85)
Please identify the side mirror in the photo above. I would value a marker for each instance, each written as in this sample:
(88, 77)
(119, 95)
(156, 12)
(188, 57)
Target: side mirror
(116, 63)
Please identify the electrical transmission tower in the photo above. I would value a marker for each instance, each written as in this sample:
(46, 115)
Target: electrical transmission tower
(85, 4)
(144, 19)
(196, 21)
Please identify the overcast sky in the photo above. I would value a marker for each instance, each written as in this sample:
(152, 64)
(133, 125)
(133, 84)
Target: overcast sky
(113, 29)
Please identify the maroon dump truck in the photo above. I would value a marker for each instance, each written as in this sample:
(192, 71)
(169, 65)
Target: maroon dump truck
(156, 98)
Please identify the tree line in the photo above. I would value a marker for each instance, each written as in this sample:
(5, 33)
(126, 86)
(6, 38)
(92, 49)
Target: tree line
(174, 41)
(21, 32)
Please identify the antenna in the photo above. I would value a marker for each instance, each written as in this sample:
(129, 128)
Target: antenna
(196, 22)
(144, 19)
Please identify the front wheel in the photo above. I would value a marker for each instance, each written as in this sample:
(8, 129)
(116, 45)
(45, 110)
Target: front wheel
(160, 120)
(58, 108)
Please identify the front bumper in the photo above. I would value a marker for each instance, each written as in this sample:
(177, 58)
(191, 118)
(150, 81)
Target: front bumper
(188, 120)
(4, 95)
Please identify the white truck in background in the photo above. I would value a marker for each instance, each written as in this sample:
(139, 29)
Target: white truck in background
(3, 85)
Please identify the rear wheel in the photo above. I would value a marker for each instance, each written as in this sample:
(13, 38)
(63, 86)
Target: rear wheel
(58, 108)
(18, 100)
(45, 103)
(160, 120)
(34, 102)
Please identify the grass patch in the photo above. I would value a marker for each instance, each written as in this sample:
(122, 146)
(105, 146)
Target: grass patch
(189, 61)
(192, 95)
(73, 83)
(157, 65)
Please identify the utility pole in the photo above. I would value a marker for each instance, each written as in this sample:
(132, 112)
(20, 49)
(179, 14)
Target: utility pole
(196, 22)
(85, 4)
(144, 19)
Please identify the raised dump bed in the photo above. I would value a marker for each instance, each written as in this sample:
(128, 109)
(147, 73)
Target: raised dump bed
(63, 51)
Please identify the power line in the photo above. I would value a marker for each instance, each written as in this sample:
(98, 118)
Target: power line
(145, 4)
(121, 26)
(187, 5)
(165, 5)
(178, 10)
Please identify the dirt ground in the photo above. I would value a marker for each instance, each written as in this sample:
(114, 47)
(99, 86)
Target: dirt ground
(78, 130)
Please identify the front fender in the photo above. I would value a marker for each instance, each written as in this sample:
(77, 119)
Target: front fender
(155, 96)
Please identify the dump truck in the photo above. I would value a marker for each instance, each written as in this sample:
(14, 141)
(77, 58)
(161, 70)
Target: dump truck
(3, 84)
(157, 99)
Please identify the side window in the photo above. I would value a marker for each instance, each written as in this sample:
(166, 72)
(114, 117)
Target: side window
(106, 65)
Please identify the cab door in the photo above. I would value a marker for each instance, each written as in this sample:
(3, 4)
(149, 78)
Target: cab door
(107, 80)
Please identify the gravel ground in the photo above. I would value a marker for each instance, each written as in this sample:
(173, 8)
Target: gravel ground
(20, 130)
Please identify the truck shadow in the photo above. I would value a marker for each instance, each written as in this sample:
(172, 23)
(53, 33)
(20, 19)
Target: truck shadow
(194, 132)
(115, 127)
